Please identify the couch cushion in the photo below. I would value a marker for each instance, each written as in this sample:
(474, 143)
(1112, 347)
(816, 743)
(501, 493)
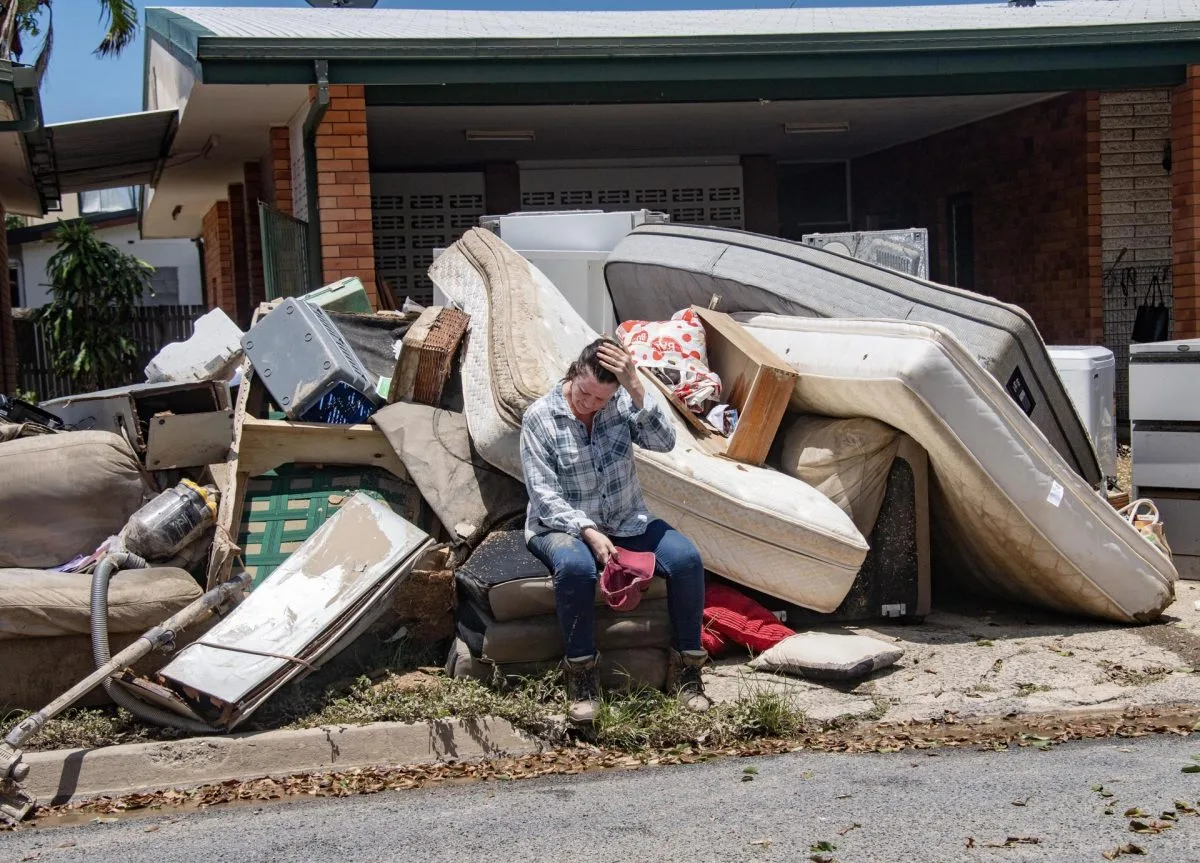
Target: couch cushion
(64, 494)
(510, 583)
(39, 603)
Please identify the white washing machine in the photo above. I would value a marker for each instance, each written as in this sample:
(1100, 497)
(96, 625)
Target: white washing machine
(1089, 374)
(1164, 412)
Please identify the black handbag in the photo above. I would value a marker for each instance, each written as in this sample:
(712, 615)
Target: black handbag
(1153, 320)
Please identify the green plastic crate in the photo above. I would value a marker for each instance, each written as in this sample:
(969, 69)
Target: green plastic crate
(347, 295)
(284, 507)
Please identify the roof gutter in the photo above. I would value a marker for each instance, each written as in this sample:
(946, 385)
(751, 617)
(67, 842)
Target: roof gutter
(18, 86)
(208, 46)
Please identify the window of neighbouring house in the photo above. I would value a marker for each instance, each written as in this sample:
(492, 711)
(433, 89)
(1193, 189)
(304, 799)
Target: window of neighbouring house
(814, 197)
(108, 201)
(960, 226)
(165, 283)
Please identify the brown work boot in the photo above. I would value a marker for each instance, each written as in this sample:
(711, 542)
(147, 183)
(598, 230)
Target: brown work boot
(583, 688)
(683, 679)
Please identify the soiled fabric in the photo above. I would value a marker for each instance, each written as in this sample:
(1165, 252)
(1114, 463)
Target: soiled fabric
(37, 603)
(467, 494)
(62, 495)
(847, 460)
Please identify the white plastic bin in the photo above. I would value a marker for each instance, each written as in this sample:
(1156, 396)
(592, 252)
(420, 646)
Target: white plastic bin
(1089, 373)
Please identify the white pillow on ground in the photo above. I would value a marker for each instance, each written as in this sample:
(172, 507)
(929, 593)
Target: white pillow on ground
(828, 655)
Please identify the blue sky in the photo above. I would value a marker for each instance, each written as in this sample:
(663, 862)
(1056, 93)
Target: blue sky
(80, 86)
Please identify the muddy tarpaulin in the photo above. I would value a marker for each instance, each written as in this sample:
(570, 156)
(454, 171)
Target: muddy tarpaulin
(468, 495)
(319, 600)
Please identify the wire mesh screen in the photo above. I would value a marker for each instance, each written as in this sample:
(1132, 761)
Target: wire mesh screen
(285, 253)
(1127, 286)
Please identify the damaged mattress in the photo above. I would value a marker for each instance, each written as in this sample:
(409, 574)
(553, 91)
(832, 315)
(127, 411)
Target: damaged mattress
(1011, 516)
(753, 525)
(658, 269)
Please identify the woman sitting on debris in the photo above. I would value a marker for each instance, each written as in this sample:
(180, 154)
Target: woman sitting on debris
(585, 500)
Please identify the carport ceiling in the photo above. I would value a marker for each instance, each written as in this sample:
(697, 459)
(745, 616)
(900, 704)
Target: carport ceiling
(406, 137)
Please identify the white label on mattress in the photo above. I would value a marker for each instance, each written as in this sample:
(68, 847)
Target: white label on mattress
(1056, 494)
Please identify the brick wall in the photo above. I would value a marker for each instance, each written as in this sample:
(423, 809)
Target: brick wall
(1135, 189)
(1026, 172)
(1185, 205)
(8, 338)
(218, 259)
(1095, 213)
(344, 190)
(281, 169)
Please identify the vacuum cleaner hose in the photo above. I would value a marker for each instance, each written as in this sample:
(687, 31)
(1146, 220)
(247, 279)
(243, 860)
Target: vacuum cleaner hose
(101, 654)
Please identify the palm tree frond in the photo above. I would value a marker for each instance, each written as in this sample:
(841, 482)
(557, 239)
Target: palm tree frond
(120, 17)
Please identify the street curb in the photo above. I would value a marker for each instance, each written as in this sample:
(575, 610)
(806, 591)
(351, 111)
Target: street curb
(64, 775)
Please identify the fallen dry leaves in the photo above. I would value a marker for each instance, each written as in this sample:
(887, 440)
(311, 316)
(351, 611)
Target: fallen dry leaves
(583, 757)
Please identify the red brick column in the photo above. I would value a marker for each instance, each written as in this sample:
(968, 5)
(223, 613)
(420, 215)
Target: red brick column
(281, 168)
(218, 260)
(344, 190)
(1185, 206)
(1095, 245)
(8, 336)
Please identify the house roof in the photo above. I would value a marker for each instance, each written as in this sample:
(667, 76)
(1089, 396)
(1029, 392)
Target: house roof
(526, 57)
(104, 153)
(415, 25)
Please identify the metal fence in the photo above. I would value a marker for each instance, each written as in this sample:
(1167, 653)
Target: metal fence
(1126, 286)
(284, 252)
(153, 327)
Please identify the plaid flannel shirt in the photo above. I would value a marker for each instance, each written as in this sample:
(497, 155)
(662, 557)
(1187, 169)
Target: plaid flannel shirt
(576, 480)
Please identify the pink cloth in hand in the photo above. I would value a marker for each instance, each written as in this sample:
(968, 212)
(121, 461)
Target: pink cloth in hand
(626, 577)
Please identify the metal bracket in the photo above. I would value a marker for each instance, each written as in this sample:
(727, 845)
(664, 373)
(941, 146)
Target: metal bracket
(321, 67)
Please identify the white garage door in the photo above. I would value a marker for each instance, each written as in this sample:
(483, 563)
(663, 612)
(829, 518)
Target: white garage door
(692, 194)
(413, 214)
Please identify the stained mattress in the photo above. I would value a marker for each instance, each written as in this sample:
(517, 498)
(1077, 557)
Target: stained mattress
(658, 269)
(1017, 520)
(755, 526)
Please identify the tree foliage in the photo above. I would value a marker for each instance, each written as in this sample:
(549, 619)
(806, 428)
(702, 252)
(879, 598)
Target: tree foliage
(95, 288)
(34, 18)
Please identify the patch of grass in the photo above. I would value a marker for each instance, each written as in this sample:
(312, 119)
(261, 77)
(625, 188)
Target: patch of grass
(373, 681)
(528, 705)
(89, 727)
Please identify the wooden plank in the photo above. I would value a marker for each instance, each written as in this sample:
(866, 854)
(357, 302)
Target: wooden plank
(189, 440)
(267, 444)
(755, 380)
(760, 415)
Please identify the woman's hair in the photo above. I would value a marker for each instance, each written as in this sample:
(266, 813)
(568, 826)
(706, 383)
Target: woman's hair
(589, 361)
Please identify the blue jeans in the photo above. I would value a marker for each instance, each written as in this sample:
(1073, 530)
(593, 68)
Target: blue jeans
(575, 575)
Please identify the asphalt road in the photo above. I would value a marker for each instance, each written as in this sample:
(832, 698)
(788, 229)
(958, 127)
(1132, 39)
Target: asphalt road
(909, 806)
